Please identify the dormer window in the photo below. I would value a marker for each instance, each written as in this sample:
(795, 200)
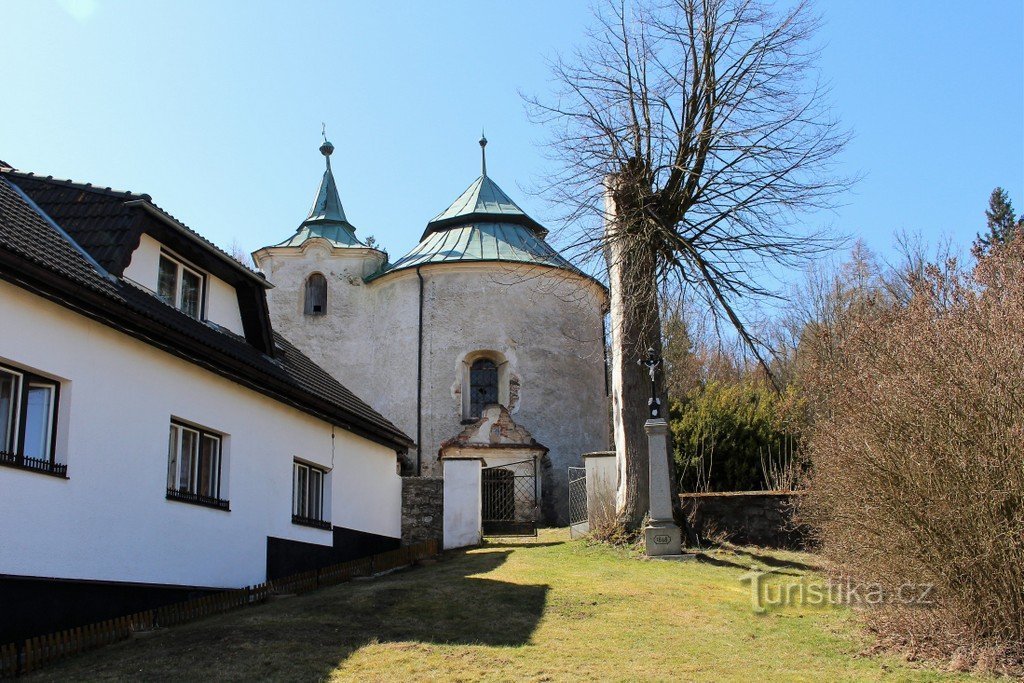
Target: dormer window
(180, 286)
(316, 295)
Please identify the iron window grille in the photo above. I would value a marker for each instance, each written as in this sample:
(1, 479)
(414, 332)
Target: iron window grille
(194, 466)
(28, 421)
(483, 386)
(308, 495)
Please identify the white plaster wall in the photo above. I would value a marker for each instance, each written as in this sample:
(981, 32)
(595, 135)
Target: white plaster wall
(549, 326)
(602, 478)
(110, 520)
(221, 298)
(367, 338)
(222, 305)
(463, 503)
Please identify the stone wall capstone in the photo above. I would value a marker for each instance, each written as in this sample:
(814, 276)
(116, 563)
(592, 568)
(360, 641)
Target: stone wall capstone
(763, 518)
(422, 509)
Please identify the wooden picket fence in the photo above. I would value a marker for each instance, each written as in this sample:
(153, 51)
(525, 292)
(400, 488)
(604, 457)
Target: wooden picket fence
(29, 655)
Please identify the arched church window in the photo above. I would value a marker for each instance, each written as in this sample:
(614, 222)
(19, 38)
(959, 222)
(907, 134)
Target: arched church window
(316, 295)
(483, 385)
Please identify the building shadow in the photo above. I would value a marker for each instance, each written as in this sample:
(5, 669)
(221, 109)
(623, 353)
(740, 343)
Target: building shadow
(453, 602)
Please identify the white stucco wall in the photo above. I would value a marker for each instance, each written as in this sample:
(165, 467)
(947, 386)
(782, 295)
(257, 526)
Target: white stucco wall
(221, 298)
(545, 323)
(110, 519)
(463, 503)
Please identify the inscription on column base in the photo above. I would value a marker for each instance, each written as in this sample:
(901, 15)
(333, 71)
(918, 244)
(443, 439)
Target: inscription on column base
(663, 539)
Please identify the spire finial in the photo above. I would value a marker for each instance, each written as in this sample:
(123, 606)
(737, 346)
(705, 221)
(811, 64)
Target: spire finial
(327, 148)
(483, 153)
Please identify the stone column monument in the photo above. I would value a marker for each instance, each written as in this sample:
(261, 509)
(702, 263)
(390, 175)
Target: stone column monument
(662, 536)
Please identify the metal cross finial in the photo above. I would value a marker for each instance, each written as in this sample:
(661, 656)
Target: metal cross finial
(323, 130)
(483, 153)
(651, 362)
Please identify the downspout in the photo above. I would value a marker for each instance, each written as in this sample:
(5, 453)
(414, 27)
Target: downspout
(419, 382)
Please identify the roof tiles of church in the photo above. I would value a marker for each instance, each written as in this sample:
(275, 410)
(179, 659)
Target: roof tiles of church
(483, 224)
(326, 218)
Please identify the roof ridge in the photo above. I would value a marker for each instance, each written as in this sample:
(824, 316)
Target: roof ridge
(88, 187)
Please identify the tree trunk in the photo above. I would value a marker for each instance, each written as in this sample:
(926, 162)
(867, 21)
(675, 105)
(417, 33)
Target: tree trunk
(635, 327)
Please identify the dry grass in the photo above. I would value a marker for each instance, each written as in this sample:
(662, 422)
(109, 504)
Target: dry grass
(546, 610)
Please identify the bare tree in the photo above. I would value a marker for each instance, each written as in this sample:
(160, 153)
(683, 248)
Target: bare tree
(691, 136)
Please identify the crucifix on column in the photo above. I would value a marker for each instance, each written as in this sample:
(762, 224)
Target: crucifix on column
(651, 361)
(662, 536)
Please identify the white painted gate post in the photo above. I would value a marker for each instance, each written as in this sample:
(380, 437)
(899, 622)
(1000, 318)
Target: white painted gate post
(463, 502)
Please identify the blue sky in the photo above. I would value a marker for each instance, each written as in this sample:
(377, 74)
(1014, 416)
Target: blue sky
(214, 108)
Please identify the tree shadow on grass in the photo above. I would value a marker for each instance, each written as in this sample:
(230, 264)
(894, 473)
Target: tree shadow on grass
(309, 636)
(770, 561)
(737, 563)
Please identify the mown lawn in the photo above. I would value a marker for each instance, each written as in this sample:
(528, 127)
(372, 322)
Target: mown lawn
(547, 610)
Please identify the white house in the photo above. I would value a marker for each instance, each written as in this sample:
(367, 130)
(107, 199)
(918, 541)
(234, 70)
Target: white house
(157, 436)
(482, 312)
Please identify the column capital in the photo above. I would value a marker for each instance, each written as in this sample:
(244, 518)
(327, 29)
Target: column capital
(656, 426)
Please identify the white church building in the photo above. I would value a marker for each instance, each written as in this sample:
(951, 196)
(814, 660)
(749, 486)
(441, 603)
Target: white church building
(482, 341)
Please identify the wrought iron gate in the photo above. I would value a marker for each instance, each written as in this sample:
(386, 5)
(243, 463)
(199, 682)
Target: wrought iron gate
(510, 499)
(579, 522)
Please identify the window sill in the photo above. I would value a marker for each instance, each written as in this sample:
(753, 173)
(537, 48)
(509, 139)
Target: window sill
(196, 499)
(54, 469)
(308, 521)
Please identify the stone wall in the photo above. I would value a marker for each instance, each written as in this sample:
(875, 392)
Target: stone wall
(763, 518)
(422, 509)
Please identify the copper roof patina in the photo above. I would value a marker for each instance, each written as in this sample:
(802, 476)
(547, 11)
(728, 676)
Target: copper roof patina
(482, 225)
(326, 218)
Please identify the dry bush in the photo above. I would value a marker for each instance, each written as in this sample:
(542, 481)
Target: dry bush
(918, 452)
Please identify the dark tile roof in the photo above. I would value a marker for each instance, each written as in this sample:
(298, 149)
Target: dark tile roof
(103, 221)
(35, 254)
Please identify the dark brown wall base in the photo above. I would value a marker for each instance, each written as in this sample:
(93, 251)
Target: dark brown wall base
(286, 557)
(763, 518)
(31, 606)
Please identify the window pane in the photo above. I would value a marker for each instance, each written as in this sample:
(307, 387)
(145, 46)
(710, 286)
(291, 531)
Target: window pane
(172, 455)
(191, 285)
(302, 490)
(210, 475)
(483, 386)
(316, 488)
(167, 280)
(188, 460)
(295, 488)
(38, 421)
(8, 409)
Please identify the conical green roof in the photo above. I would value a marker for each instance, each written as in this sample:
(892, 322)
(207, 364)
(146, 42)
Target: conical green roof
(482, 225)
(326, 218)
(483, 201)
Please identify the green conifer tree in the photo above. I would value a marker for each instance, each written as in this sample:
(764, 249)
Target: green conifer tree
(1003, 225)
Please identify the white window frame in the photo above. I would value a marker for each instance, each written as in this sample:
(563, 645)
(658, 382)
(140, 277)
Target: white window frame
(13, 448)
(181, 267)
(197, 461)
(305, 512)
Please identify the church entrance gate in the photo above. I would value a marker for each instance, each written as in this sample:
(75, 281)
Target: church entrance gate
(509, 499)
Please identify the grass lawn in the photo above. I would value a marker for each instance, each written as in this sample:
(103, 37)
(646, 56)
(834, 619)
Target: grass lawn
(539, 611)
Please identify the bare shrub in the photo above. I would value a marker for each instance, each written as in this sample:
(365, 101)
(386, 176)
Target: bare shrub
(918, 452)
